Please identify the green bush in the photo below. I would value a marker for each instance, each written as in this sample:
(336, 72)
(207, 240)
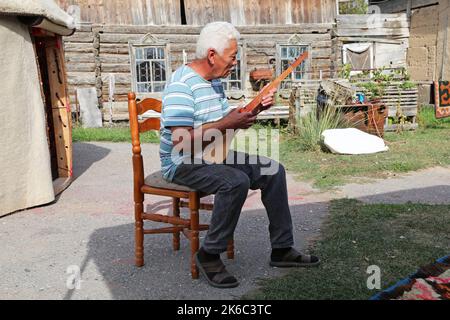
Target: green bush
(311, 126)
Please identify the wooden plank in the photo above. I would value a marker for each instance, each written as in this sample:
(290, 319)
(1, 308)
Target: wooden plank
(375, 24)
(77, 57)
(80, 78)
(60, 184)
(80, 37)
(62, 124)
(115, 67)
(237, 12)
(179, 38)
(380, 40)
(78, 47)
(195, 30)
(407, 111)
(358, 32)
(401, 5)
(120, 78)
(114, 48)
(363, 18)
(80, 67)
(115, 58)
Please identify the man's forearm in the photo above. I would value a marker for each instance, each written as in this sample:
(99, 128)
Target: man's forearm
(190, 138)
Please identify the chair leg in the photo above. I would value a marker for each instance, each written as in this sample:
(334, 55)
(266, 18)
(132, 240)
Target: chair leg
(230, 249)
(194, 204)
(176, 213)
(139, 234)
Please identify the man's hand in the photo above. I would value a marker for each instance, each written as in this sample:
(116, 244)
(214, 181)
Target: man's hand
(239, 120)
(268, 100)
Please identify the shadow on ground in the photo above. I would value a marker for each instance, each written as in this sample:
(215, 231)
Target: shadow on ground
(166, 274)
(85, 155)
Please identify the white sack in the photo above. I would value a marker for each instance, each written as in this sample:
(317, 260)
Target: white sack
(352, 141)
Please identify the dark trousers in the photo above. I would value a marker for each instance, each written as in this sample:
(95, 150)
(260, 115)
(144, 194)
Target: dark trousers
(230, 183)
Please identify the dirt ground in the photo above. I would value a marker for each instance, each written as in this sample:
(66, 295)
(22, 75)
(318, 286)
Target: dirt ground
(89, 228)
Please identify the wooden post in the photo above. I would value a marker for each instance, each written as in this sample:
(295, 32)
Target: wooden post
(194, 204)
(176, 213)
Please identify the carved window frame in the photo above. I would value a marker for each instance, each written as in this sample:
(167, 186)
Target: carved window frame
(149, 41)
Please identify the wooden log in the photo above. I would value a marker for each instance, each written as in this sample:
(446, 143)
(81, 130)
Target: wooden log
(79, 57)
(195, 30)
(187, 38)
(78, 47)
(363, 18)
(120, 78)
(358, 32)
(116, 67)
(374, 24)
(80, 78)
(114, 48)
(80, 37)
(115, 58)
(80, 67)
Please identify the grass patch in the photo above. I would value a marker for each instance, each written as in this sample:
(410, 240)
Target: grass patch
(397, 238)
(428, 146)
(112, 134)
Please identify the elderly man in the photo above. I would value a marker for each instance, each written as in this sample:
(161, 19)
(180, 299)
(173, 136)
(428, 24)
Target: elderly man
(193, 101)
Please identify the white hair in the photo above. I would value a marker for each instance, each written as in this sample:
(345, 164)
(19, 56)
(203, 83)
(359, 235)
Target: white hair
(215, 35)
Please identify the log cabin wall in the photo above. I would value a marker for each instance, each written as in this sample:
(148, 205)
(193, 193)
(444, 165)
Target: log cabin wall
(100, 47)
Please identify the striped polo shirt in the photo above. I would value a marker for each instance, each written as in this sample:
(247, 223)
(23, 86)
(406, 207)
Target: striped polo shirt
(188, 100)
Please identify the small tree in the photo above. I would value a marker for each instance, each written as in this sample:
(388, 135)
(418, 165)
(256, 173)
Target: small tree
(353, 7)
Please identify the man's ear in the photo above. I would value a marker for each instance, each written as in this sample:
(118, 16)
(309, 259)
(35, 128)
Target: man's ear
(211, 56)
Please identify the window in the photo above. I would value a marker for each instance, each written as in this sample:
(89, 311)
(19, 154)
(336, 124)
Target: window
(287, 55)
(234, 81)
(150, 69)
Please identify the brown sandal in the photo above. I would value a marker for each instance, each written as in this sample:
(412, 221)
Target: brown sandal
(220, 274)
(291, 259)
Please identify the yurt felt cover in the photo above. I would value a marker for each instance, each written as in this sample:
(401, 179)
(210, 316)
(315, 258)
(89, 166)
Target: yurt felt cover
(47, 9)
(25, 173)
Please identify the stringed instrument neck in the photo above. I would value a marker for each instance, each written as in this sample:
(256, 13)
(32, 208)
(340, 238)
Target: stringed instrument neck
(274, 84)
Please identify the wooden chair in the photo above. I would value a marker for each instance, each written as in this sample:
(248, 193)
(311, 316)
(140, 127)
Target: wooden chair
(156, 185)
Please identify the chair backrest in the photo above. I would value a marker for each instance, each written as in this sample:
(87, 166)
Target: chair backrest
(136, 108)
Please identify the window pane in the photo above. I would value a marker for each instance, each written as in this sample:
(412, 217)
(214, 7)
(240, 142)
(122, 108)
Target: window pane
(138, 53)
(288, 55)
(144, 87)
(292, 52)
(234, 75)
(234, 85)
(150, 53)
(160, 53)
(159, 71)
(158, 87)
(142, 71)
(285, 85)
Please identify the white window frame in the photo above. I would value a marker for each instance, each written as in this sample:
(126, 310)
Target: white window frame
(304, 64)
(294, 41)
(242, 63)
(149, 41)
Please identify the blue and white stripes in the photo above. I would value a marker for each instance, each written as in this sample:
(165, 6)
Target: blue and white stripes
(188, 101)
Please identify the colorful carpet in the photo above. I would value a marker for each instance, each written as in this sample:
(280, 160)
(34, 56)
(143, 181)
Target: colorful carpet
(431, 282)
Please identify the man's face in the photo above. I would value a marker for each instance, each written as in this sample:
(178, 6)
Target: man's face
(225, 62)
